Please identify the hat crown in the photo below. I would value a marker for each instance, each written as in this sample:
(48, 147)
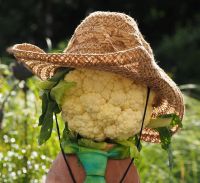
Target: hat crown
(105, 32)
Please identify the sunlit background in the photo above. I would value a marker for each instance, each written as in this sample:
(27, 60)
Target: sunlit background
(173, 30)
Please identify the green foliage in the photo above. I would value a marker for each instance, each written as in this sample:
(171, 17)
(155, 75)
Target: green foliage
(21, 159)
(165, 137)
(53, 91)
(58, 91)
(46, 122)
(92, 144)
(133, 151)
(180, 54)
(165, 132)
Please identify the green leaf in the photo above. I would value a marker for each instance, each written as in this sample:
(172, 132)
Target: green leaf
(176, 121)
(58, 91)
(165, 137)
(59, 74)
(46, 85)
(159, 122)
(66, 132)
(134, 153)
(44, 107)
(68, 147)
(53, 90)
(47, 124)
(170, 157)
(165, 132)
(91, 144)
(50, 83)
(119, 152)
(136, 140)
(132, 147)
(57, 109)
(165, 120)
(69, 135)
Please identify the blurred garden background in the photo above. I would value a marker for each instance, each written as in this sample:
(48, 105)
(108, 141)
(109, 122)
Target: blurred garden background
(173, 30)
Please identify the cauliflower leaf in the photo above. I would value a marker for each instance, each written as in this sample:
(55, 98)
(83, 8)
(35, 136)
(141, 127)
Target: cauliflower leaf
(165, 132)
(91, 144)
(50, 99)
(58, 91)
(47, 124)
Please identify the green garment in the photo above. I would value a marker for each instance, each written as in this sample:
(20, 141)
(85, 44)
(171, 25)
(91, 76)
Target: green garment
(94, 157)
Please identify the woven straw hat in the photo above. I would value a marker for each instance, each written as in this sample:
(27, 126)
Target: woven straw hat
(110, 41)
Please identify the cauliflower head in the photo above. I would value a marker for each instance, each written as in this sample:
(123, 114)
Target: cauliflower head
(104, 105)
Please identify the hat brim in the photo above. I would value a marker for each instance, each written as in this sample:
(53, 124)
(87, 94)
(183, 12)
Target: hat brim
(135, 63)
(44, 64)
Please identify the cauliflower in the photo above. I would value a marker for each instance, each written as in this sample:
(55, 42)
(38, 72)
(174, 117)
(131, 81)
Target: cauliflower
(104, 105)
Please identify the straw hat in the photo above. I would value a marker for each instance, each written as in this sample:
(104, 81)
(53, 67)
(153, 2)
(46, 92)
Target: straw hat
(110, 41)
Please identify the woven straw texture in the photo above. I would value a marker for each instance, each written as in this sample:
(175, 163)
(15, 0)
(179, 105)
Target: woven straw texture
(110, 41)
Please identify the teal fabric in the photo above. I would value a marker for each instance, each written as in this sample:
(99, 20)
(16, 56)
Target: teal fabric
(94, 156)
(95, 179)
(94, 164)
